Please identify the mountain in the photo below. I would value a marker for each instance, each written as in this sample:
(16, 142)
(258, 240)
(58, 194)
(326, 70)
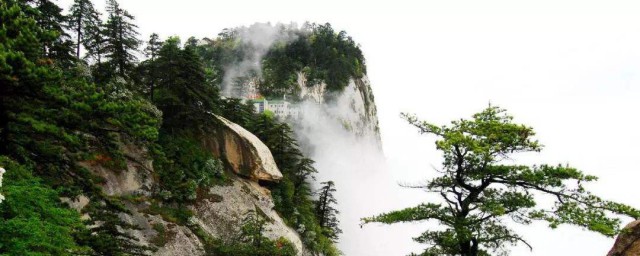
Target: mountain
(172, 155)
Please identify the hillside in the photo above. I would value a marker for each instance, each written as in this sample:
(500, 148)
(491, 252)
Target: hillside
(109, 154)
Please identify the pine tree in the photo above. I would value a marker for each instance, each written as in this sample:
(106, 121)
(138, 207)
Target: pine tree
(182, 93)
(481, 189)
(121, 39)
(303, 172)
(55, 42)
(326, 211)
(83, 15)
(107, 235)
(50, 120)
(254, 225)
(153, 47)
(94, 38)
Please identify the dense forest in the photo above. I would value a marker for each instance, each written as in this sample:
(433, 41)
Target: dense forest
(75, 88)
(316, 50)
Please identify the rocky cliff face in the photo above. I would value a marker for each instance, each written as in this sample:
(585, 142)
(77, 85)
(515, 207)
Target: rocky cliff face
(628, 242)
(221, 215)
(218, 211)
(354, 106)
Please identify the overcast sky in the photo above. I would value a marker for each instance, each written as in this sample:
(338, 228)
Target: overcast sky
(570, 69)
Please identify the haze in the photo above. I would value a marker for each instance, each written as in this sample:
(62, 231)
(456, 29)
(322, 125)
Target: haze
(570, 69)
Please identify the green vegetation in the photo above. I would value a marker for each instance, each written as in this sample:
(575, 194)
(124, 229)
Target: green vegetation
(185, 167)
(292, 195)
(52, 117)
(60, 110)
(252, 242)
(121, 40)
(326, 211)
(323, 54)
(480, 192)
(33, 221)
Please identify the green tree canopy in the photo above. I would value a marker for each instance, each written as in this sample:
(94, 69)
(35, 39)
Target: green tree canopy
(83, 15)
(51, 118)
(182, 93)
(121, 40)
(480, 191)
(33, 221)
(326, 212)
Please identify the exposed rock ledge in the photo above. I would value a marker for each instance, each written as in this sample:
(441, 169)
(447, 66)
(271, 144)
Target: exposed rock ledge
(628, 242)
(245, 154)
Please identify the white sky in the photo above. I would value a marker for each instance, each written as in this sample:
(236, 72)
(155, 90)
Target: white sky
(570, 69)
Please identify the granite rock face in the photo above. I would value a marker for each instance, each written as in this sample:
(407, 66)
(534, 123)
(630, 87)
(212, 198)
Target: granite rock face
(244, 153)
(222, 211)
(628, 242)
(218, 211)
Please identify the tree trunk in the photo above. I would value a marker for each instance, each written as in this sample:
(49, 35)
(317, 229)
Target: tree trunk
(469, 248)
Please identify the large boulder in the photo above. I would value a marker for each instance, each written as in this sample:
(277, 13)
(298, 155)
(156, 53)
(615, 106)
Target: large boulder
(628, 242)
(244, 153)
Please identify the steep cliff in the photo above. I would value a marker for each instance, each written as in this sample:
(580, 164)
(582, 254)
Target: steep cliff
(218, 211)
(354, 106)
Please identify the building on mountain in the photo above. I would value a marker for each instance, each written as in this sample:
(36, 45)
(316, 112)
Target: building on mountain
(281, 108)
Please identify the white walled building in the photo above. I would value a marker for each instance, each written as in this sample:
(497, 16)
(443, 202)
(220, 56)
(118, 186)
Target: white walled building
(281, 108)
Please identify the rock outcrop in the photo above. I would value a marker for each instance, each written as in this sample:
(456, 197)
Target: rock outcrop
(354, 106)
(222, 212)
(134, 179)
(218, 211)
(244, 153)
(628, 242)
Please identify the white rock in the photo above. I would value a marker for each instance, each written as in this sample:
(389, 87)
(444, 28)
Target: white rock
(2, 171)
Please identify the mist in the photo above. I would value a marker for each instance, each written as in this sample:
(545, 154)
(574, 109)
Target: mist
(256, 39)
(357, 165)
(333, 130)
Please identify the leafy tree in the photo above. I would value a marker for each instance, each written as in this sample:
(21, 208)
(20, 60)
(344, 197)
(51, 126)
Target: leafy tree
(480, 191)
(82, 15)
(191, 42)
(121, 40)
(326, 211)
(302, 172)
(320, 52)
